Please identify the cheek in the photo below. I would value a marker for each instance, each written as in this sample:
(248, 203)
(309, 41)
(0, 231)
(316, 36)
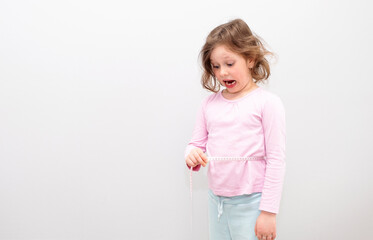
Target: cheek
(214, 71)
(239, 73)
(235, 73)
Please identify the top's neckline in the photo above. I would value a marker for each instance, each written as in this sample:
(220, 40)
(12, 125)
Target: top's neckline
(241, 98)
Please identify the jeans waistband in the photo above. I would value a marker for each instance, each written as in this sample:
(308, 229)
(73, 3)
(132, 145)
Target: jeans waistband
(241, 199)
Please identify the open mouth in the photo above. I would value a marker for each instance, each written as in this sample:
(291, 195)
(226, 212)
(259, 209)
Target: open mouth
(230, 82)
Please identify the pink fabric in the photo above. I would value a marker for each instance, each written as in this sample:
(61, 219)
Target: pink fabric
(253, 125)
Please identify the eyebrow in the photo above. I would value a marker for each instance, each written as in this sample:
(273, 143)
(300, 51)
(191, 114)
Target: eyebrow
(225, 57)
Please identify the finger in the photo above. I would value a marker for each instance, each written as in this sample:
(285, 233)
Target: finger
(199, 157)
(202, 155)
(191, 161)
(195, 160)
(268, 237)
(199, 160)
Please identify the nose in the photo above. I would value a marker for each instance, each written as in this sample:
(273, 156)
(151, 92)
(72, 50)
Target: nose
(223, 72)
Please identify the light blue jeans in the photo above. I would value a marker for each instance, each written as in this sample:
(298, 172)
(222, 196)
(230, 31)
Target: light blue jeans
(233, 218)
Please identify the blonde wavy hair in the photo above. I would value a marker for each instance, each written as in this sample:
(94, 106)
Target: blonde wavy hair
(237, 36)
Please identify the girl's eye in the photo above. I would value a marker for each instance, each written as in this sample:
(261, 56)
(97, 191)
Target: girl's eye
(228, 64)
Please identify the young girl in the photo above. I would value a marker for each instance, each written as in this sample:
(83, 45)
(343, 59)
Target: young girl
(245, 125)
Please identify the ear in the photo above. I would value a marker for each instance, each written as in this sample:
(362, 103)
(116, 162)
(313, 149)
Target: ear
(250, 63)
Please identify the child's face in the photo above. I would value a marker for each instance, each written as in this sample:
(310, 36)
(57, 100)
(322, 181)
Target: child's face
(228, 66)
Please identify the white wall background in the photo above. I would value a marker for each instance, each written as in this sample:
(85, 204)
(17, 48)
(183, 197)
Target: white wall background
(98, 101)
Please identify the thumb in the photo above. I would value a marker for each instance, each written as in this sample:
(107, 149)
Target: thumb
(202, 155)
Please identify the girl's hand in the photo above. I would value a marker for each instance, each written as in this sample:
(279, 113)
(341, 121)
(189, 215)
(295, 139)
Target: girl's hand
(196, 157)
(265, 227)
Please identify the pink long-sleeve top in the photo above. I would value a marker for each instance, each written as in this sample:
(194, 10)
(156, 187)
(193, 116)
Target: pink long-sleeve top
(253, 125)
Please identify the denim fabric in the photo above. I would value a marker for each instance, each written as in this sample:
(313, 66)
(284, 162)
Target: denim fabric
(233, 218)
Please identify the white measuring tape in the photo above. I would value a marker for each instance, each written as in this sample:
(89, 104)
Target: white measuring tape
(259, 158)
